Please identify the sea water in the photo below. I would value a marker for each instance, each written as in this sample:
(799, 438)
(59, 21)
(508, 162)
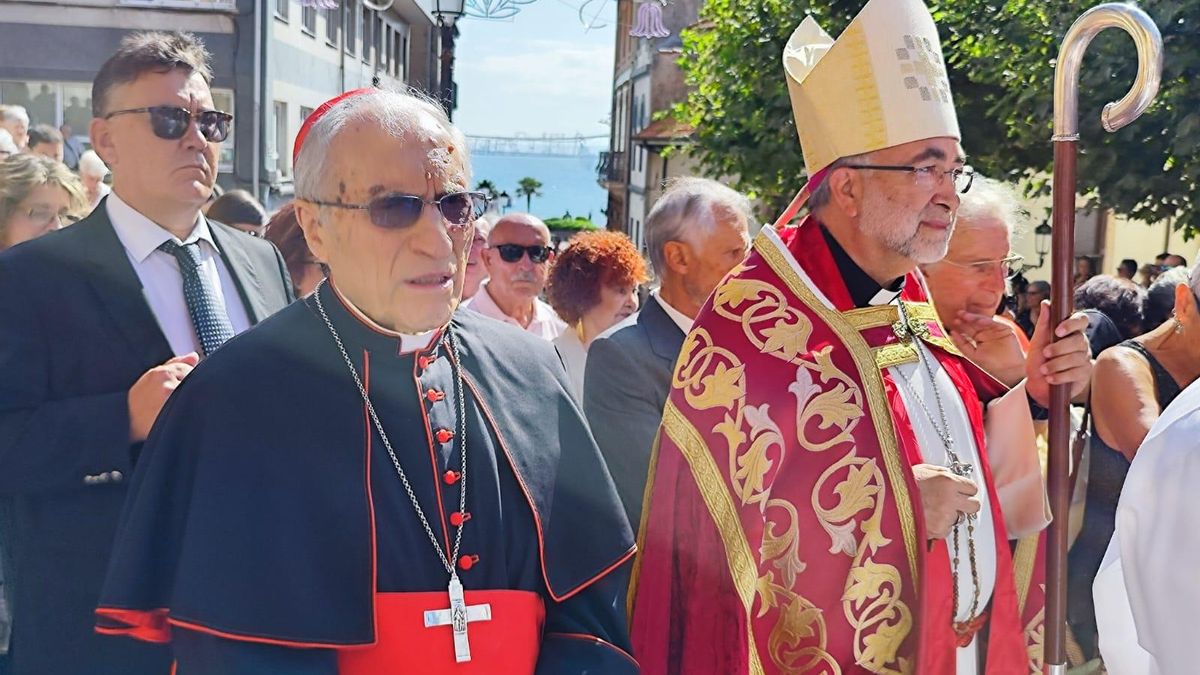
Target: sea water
(568, 183)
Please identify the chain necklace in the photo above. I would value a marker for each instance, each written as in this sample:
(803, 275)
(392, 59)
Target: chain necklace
(958, 468)
(452, 343)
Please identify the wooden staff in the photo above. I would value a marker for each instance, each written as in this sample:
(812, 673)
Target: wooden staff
(1066, 139)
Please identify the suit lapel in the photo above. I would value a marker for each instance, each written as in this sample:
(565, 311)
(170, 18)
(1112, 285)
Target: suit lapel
(666, 339)
(241, 268)
(119, 290)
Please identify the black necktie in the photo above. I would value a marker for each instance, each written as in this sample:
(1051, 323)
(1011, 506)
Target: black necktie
(212, 325)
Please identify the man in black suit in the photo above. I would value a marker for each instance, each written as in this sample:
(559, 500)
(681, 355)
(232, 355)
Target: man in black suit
(99, 323)
(696, 233)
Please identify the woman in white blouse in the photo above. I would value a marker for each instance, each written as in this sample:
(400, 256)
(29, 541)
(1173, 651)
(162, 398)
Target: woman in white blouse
(592, 287)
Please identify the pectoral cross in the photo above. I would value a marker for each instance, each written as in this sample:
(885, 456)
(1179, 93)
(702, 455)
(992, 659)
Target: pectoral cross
(457, 617)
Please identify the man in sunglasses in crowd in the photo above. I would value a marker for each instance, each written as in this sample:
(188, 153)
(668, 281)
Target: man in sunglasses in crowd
(421, 494)
(99, 323)
(518, 258)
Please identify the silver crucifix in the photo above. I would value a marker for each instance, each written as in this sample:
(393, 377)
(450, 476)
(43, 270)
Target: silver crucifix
(457, 617)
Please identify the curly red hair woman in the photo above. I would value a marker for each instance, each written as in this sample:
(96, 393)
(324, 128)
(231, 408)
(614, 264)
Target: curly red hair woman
(592, 287)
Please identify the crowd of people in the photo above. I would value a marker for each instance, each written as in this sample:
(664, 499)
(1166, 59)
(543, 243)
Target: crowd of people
(242, 436)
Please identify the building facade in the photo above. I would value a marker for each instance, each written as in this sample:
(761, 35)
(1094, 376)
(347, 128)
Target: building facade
(645, 149)
(274, 61)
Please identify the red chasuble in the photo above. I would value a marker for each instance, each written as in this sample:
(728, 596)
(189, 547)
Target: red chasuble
(782, 530)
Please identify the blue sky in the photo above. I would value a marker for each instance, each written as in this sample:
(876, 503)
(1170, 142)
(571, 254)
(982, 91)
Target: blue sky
(539, 72)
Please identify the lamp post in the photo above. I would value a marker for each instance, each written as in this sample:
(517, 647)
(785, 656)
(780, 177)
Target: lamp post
(447, 12)
(504, 201)
(1041, 243)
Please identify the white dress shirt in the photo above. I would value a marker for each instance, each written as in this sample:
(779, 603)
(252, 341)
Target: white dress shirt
(680, 319)
(574, 358)
(162, 282)
(544, 324)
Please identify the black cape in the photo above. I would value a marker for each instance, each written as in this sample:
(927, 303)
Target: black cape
(250, 515)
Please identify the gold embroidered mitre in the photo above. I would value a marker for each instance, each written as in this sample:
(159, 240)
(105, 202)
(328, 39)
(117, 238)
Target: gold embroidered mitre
(882, 83)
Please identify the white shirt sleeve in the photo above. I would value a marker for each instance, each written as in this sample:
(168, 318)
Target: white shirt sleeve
(1016, 465)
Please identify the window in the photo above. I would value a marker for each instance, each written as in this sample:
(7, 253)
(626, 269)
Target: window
(281, 139)
(281, 9)
(304, 113)
(308, 19)
(333, 23)
(351, 20)
(367, 24)
(402, 58)
(380, 54)
(223, 100)
(385, 50)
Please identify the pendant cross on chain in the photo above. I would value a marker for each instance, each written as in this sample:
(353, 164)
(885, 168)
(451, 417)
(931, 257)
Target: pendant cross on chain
(457, 617)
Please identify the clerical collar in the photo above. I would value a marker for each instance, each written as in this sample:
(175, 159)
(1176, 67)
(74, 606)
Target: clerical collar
(864, 290)
(408, 343)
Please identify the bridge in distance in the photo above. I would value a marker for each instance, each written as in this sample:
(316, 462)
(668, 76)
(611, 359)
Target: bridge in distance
(552, 145)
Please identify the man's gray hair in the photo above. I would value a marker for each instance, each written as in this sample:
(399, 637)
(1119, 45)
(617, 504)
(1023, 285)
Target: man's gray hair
(992, 199)
(398, 113)
(686, 206)
(13, 113)
(821, 196)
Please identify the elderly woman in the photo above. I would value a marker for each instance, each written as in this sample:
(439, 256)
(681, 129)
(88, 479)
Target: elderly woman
(1132, 384)
(284, 231)
(92, 171)
(37, 195)
(592, 287)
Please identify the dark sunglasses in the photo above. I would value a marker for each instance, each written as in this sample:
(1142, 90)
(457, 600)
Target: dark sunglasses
(398, 211)
(171, 122)
(511, 253)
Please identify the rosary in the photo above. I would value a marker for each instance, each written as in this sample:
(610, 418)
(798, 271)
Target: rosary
(906, 329)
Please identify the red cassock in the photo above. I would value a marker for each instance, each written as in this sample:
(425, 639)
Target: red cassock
(782, 531)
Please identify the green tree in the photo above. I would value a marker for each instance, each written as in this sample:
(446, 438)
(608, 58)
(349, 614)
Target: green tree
(529, 188)
(488, 188)
(1000, 55)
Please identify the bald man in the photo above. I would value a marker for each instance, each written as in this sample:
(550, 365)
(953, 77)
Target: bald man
(517, 259)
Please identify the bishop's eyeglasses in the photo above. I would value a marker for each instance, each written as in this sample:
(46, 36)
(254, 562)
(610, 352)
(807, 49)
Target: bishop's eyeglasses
(927, 177)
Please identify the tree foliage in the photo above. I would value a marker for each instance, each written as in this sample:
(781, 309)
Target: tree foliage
(567, 222)
(1001, 57)
(529, 188)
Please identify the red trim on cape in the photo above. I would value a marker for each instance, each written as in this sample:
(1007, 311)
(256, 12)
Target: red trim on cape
(147, 626)
(537, 518)
(367, 434)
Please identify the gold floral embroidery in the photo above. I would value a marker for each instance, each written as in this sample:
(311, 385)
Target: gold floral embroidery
(1035, 638)
(777, 260)
(872, 600)
(724, 513)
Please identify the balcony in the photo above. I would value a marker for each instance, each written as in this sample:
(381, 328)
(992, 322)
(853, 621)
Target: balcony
(610, 169)
(194, 5)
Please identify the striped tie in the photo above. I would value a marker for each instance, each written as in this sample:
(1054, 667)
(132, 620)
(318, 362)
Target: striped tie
(212, 325)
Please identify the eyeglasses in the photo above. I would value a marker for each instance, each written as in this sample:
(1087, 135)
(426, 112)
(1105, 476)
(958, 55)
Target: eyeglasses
(511, 253)
(1008, 266)
(171, 122)
(399, 211)
(43, 216)
(927, 177)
